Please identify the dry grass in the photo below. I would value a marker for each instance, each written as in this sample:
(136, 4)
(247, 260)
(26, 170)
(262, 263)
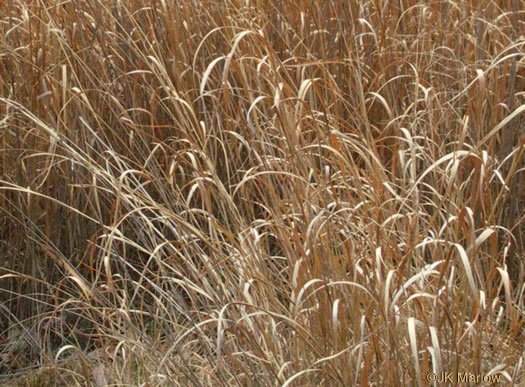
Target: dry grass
(261, 192)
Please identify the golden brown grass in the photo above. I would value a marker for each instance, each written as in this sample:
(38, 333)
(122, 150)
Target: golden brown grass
(261, 192)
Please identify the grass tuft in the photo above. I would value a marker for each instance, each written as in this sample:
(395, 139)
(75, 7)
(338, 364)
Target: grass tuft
(261, 192)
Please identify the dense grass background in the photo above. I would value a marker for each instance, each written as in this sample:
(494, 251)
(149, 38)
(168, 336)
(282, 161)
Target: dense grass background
(261, 192)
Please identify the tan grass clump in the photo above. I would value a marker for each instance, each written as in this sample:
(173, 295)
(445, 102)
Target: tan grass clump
(262, 192)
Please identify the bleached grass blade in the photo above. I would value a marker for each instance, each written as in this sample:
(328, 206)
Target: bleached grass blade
(413, 346)
(468, 271)
(437, 363)
(504, 122)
